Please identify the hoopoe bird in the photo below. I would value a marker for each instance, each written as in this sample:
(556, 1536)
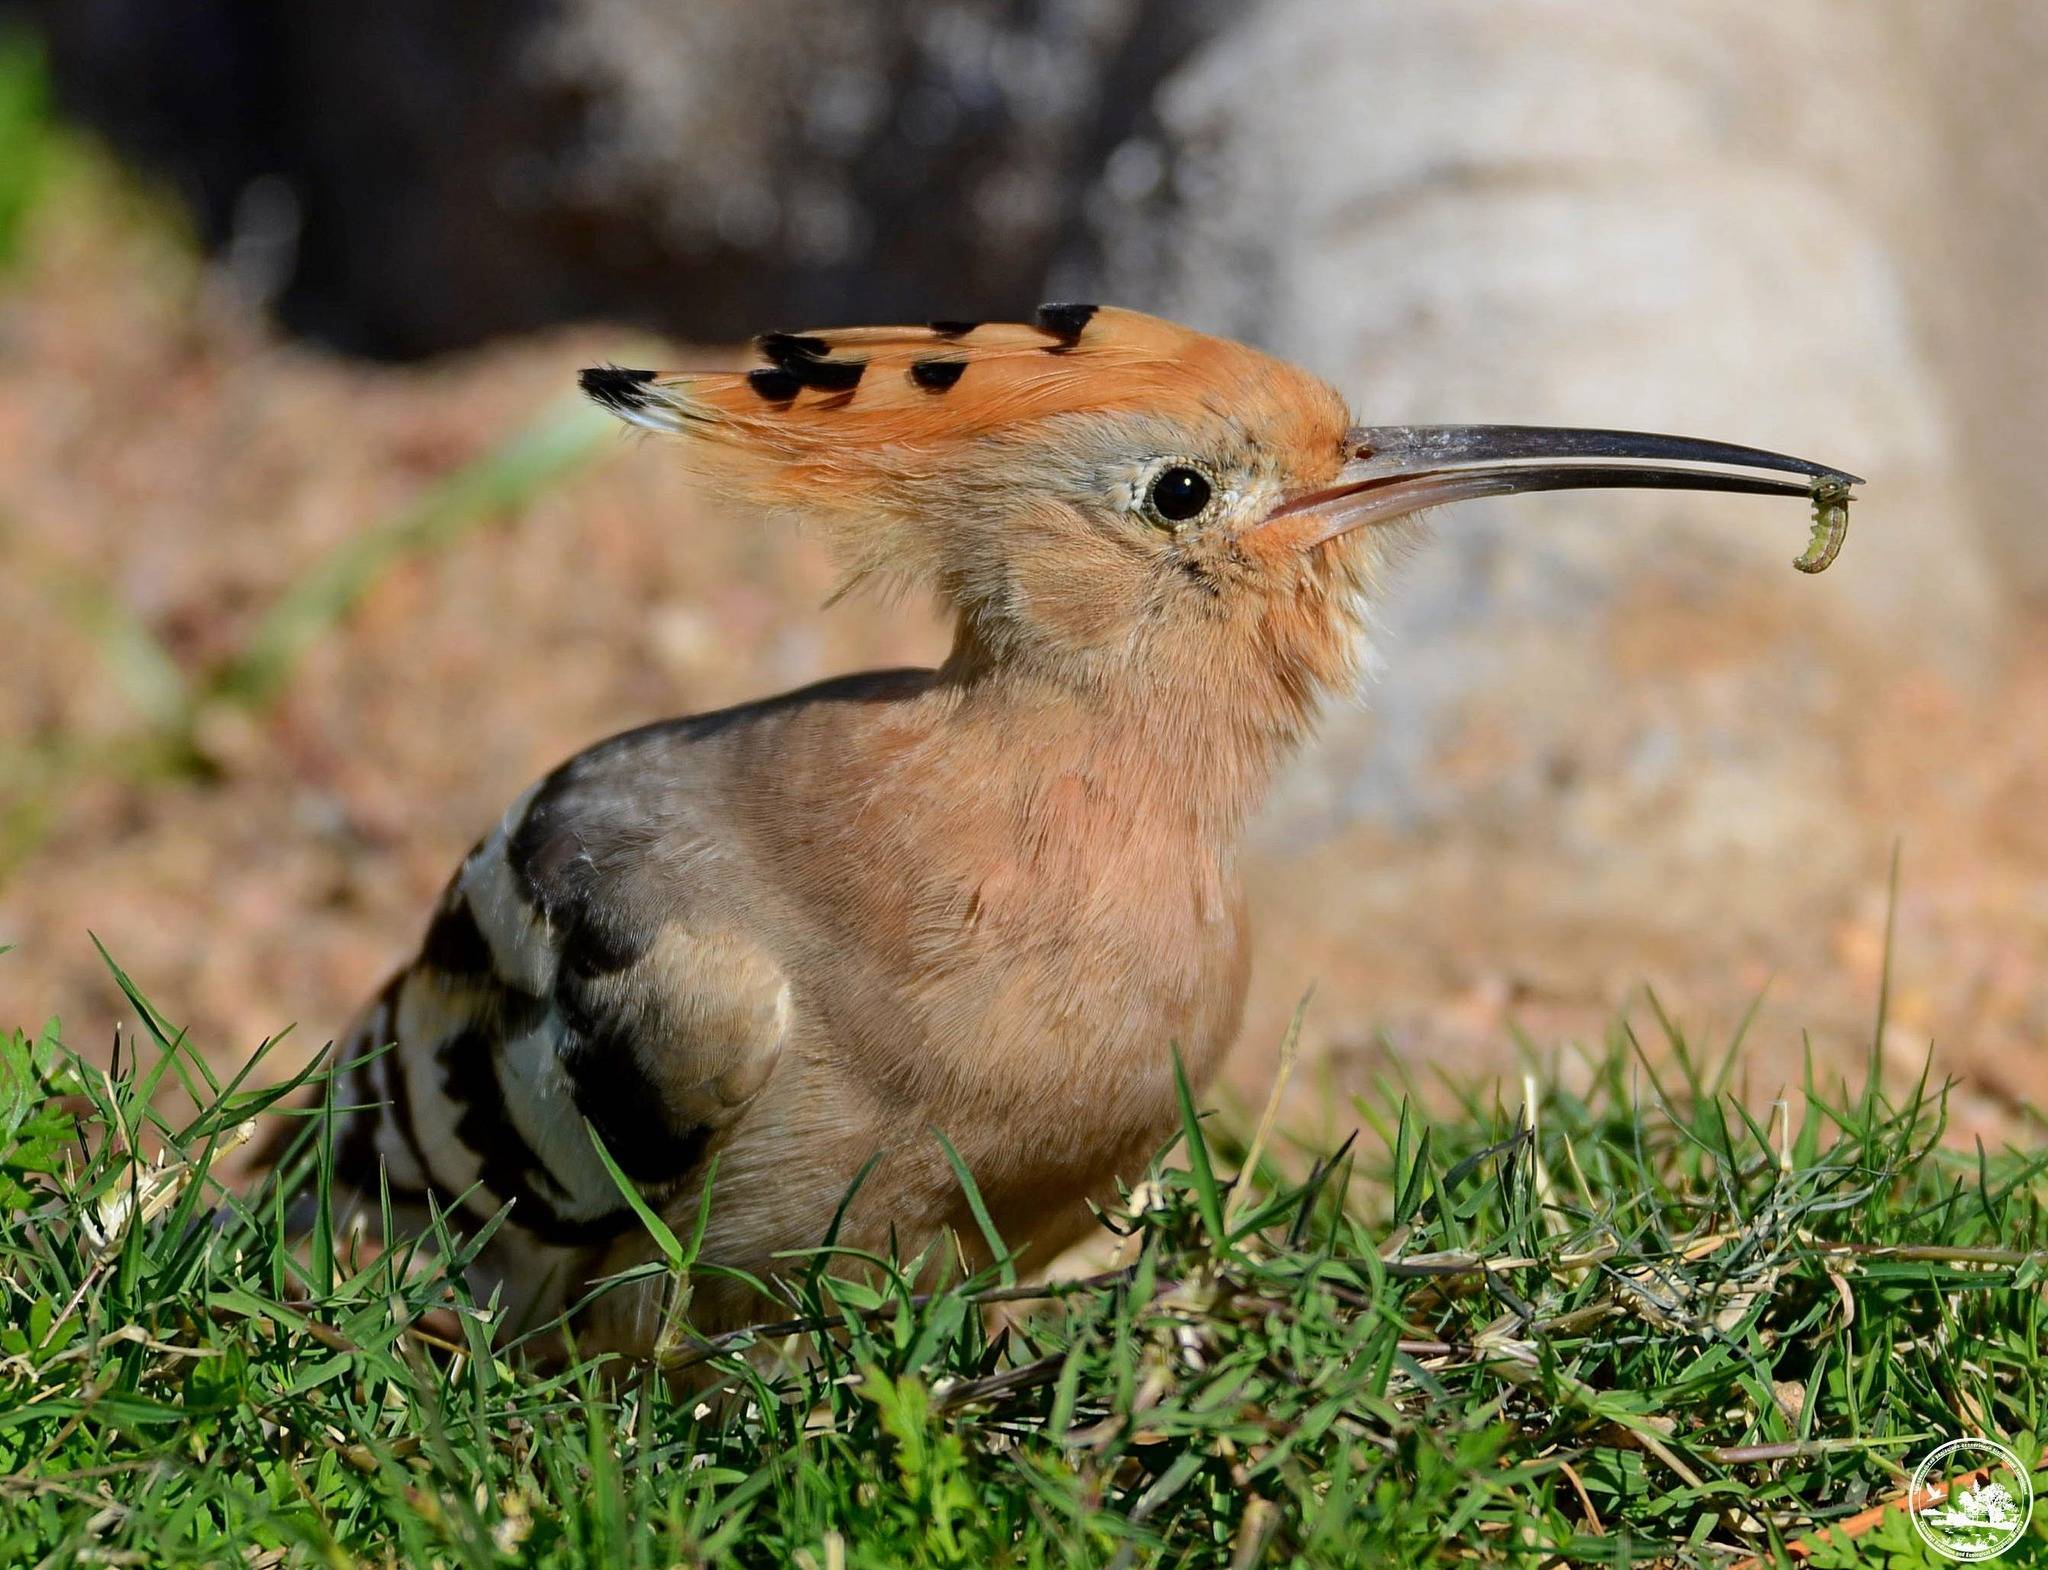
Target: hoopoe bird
(991, 900)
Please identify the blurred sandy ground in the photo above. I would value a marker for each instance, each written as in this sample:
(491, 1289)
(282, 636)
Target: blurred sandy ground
(154, 439)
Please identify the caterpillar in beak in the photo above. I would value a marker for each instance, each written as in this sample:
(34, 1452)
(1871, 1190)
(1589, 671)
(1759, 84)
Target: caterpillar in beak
(1830, 525)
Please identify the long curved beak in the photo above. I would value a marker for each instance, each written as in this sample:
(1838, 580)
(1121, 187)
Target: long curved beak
(1397, 470)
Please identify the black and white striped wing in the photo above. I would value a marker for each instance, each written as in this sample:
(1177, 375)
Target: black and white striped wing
(552, 989)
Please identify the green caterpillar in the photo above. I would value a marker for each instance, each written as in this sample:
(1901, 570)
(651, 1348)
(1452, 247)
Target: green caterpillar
(1830, 525)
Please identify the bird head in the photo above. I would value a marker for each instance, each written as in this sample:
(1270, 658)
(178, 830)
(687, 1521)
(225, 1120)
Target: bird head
(1111, 499)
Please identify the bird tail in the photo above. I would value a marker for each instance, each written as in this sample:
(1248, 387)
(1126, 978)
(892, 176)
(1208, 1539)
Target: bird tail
(377, 1155)
(363, 1077)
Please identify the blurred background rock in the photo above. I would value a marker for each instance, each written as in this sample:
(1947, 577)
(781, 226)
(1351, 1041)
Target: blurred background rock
(305, 574)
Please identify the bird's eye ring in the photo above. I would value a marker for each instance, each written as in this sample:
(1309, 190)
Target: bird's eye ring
(1178, 494)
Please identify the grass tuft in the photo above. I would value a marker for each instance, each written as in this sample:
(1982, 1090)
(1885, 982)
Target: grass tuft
(1631, 1320)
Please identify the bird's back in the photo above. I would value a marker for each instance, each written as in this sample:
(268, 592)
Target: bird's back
(604, 955)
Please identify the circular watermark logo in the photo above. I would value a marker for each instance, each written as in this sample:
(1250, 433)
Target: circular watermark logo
(1987, 1499)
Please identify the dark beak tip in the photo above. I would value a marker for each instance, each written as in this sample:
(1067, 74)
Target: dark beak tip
(1410, 449)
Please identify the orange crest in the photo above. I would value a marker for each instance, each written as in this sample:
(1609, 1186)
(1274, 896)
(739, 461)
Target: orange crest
(852, 406)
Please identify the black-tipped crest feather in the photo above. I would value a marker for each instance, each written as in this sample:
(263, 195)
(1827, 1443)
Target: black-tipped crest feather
(614, 387)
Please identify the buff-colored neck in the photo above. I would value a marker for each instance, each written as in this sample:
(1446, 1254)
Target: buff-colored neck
(1165, 746)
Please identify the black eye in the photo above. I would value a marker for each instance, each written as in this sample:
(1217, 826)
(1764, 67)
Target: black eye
(1179, 493)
